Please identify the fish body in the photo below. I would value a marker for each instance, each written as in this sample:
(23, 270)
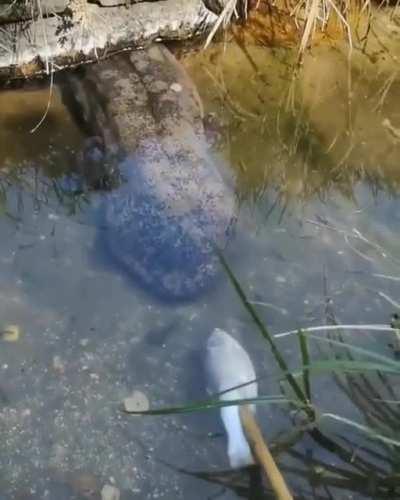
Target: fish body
(228, 365)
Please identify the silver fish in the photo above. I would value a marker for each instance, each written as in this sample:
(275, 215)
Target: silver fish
(228, 365)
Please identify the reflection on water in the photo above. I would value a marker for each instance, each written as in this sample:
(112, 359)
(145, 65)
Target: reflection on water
(24, 141)
(303, 134)
(318, 227)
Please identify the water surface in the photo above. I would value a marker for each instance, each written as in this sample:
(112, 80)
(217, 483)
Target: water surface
(317, 182)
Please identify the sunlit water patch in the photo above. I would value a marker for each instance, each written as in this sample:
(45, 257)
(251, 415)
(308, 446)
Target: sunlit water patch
(316, 240)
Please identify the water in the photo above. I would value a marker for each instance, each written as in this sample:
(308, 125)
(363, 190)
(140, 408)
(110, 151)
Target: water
(316, 237)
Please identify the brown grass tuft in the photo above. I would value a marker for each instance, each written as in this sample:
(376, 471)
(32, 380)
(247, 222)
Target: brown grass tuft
(298, 22)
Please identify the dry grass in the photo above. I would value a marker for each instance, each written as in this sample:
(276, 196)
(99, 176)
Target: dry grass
(301, 22)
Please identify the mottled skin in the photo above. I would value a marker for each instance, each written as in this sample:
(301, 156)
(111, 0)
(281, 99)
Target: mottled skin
(172, 206)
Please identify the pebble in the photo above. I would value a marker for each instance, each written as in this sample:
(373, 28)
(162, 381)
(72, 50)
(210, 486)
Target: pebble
(176, 87)
(58, 455)
(58, 365)
(85, 484)
(110, 492)
(10, 333)
(137, 401)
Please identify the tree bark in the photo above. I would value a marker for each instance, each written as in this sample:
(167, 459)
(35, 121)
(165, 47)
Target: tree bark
(86, 32)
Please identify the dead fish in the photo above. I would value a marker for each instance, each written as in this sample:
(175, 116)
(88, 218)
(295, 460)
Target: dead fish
(228, 365)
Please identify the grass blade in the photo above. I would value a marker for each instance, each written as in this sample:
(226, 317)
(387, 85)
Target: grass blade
(347, 366)
(210, 404)
(265, 333)
(363, 428)
(305, 357)
(386, 360)
(370, 327)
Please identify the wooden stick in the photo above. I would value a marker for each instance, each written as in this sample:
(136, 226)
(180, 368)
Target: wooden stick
(262, 454)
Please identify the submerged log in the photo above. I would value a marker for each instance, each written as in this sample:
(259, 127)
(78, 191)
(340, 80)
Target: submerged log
(171, 208)
(86, 32)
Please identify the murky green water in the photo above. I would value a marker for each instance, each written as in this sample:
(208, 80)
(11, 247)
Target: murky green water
(317, 176)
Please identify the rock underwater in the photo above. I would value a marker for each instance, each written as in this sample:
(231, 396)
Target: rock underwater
(172, 206)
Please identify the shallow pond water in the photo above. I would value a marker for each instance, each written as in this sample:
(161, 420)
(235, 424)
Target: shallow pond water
(317, 181)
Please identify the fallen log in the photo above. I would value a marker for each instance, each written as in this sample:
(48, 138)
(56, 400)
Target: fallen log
(26, 10)
(86, 32)
(166, 206)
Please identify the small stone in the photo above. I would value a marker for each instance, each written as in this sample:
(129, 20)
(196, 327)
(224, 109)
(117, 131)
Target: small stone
(10, 333)
(176, 87)
(58, 365)
(58, 455)
(137, 401)
(110, 492)
(86, 485)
